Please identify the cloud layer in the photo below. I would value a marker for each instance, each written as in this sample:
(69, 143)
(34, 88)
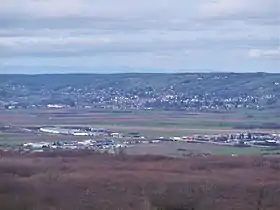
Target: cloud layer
(129, 35)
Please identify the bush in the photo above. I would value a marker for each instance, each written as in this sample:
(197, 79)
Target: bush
(104, 182)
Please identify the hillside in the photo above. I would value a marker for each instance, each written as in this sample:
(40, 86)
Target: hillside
(233, 83)
(79, 181)
(210, 90)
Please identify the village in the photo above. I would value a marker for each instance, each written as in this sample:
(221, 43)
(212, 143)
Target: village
(105, 141)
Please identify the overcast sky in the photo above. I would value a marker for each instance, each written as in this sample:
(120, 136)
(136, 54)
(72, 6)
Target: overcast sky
(103, 36)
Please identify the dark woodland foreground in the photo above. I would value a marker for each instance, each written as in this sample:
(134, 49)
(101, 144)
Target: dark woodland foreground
(80, 182)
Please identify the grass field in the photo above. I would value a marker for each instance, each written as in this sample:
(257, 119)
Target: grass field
(245, 151)
(180, 149)
(238, 151)
(150, 123)
(148, 120)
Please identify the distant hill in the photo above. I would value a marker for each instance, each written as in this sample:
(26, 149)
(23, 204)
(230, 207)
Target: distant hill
(225, 85)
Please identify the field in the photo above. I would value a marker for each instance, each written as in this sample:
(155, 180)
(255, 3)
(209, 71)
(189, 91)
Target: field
(180, 149)
(150, 122)
(71, 181)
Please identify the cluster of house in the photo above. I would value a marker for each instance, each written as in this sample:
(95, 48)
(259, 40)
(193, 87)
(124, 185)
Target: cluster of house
(238, 139)
(110, 146)
(112, 142)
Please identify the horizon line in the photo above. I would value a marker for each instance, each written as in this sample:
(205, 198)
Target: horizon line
(120, 73)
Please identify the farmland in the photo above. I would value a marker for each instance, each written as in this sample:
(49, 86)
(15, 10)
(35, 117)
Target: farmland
(149, 122)
(180, 149)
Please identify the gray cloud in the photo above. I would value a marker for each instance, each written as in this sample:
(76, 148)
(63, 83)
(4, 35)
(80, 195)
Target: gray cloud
(159, 29)
(248, 9)
(135, 43)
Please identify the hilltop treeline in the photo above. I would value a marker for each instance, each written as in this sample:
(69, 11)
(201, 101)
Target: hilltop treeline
(233, 84)
(77, 181)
